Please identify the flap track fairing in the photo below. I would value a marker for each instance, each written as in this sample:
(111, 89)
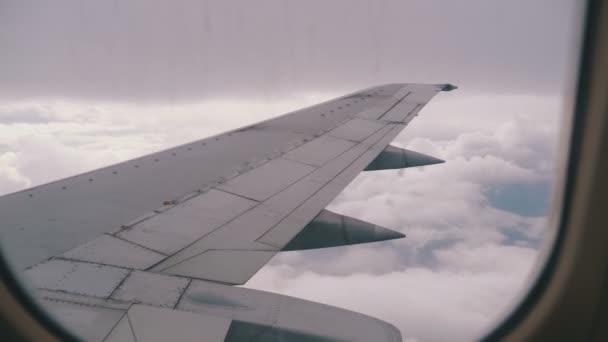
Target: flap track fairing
(399, 158)
(329, 229)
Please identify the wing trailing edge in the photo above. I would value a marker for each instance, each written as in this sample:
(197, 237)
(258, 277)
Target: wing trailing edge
(152, 307)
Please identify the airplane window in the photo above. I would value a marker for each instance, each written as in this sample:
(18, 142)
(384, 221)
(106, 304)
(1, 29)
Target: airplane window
(86, 85)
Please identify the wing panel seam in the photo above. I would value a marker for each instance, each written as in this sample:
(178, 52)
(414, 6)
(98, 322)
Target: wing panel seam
(134, 243)
(370, 147)
(396, 103)
(260, 203)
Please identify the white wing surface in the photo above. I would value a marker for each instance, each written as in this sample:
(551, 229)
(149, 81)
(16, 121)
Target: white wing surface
(144, 250)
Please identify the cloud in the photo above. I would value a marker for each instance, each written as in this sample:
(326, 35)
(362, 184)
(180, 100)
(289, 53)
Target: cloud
(23, 116)
(10, 176)
(428, 305)
(468, 250)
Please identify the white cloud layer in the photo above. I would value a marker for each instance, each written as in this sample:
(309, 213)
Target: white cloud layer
(464, 260)
(466, 255)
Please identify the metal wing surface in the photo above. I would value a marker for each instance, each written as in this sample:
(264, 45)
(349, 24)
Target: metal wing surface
(145, 248)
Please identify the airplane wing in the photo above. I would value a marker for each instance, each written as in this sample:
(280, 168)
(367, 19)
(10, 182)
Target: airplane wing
(146, 250)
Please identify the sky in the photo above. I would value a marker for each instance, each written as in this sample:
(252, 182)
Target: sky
(86, 84)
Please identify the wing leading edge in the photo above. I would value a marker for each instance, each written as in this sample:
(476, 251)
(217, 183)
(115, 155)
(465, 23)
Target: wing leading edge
(213, 211)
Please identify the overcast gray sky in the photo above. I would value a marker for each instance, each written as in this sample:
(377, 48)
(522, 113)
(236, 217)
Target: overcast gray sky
(163, 50)
(88, 83)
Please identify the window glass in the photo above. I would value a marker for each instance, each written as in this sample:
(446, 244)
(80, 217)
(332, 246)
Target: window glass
(89, 84)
